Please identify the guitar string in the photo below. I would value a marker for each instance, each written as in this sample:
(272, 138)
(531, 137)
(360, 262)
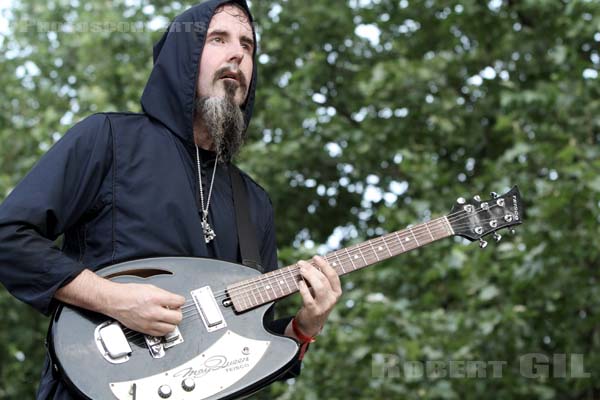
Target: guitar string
(354, 249)
(418, 230)
(192, 314)
(282, 275)
(292, 272)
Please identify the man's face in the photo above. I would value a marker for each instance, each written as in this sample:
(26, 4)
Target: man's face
(226, 63)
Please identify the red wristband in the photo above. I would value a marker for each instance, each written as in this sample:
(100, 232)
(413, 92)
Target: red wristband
(301, 336)
(304, 340)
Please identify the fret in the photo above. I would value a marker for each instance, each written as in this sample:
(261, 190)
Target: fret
(244, 300)
(374, 251)
(269, 286)
(297, 281)
(350, 257)
(428, 230)
(413, 235)
(450, 230)
(247, 297)
(253, 295)
(440, 226)
(286, 283)
(276, 285)
(247, 301)
(400, 240)
(329, 259)
(361, 254)
(337, 256)
(386, 246)
(444, 229)
(279, 293)
(279, 283)
(295, 276)
(261, 298)
(407, 242)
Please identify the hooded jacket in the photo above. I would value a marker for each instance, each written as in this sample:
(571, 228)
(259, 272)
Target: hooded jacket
(123, 186)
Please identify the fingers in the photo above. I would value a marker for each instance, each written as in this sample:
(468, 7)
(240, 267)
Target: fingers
(172, 317)
(170, 300)
(149, 309)
(330, 273)
(170, 306)
(321, 277)
(307, 297)
(317, 281)
(160, 329)
(324, 282)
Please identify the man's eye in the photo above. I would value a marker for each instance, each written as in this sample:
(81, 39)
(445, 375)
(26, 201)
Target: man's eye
(218, 39)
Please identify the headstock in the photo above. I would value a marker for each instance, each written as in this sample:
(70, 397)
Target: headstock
(474, 219)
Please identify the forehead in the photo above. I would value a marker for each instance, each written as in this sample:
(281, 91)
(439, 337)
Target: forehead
(230, 17)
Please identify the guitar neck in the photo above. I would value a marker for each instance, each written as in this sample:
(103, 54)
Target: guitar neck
(277, 284)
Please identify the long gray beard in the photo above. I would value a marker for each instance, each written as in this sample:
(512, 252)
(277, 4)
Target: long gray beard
(224, 121)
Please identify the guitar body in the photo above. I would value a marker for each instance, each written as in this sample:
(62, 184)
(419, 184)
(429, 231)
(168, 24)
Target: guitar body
(231, 360)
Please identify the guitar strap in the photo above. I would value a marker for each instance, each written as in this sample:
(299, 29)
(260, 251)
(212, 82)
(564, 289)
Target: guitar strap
(246, 232)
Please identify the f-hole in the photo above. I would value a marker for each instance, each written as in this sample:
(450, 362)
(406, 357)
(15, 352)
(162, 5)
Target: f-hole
(141, 273)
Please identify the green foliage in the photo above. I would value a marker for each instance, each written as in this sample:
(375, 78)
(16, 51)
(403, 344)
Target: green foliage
(356, 135)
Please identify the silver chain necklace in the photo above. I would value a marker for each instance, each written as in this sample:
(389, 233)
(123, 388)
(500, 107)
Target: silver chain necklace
(207, 230)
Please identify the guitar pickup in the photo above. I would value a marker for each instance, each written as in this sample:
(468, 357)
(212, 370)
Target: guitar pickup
(209, 309)
(112, 343)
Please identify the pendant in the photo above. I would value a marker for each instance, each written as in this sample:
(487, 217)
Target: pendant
(209, 233)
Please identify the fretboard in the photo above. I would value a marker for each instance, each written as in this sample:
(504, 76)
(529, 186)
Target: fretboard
(277, 284)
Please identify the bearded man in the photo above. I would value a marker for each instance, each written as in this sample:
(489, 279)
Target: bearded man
(126, 186)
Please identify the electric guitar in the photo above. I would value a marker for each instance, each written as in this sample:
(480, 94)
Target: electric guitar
(221, 349)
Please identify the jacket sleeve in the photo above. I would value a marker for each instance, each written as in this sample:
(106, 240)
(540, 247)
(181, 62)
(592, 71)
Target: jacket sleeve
(268, 255)
(49, 200)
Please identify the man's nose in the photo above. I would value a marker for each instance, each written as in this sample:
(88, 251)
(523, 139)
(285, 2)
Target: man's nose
(236, 54)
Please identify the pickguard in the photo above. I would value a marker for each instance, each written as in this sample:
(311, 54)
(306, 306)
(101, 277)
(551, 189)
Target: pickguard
(224, 363)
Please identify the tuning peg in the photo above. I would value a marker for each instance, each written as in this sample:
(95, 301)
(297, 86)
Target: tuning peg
(477, 197)
(494, 195)
(461, 200)
(497, 236)
(482, 243)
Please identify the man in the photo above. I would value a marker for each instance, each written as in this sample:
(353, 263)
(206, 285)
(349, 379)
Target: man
(124, 186)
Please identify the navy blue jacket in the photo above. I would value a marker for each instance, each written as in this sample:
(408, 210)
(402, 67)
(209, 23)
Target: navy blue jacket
(123, 186)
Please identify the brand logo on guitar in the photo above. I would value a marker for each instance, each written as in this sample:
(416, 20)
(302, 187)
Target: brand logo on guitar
(214, 363)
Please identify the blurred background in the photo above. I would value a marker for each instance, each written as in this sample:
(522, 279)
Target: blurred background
(372, 115)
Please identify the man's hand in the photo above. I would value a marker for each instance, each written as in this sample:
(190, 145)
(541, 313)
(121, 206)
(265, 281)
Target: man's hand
(318, 300)
(143, 308)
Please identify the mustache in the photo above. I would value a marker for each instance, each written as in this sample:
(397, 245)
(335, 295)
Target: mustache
(229, 72)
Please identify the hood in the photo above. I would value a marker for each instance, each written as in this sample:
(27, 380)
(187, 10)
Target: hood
(170, 91)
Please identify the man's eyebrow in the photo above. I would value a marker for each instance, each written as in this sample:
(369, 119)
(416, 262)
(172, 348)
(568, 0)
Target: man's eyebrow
(220, 32)
(247, 40)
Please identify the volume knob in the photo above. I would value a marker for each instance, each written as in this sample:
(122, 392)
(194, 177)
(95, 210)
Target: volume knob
(188, 384)
(164, 391)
